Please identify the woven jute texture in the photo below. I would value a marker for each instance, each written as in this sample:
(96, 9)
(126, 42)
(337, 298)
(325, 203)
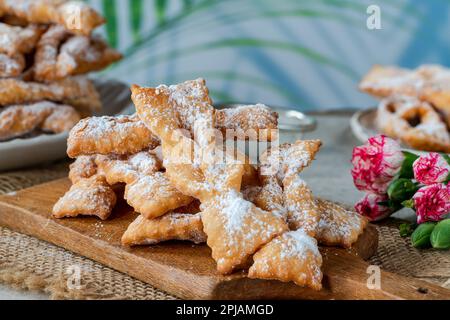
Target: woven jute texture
(31, 264)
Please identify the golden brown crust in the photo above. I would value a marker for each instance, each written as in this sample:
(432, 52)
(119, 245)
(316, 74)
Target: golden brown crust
(78, 92)
(59, 55)
(11, 66)
(110, 135)
(75, 16)
(253, 122)
(293, 256)
(172, 226)
(14, 39)
(302, 212)
(236, 229)
(428, 83)
(154, 195)
(16, 121)
(84, 167)
(80, 55)
(338, 226)
(127, 168)
(283, 190)
(413, 122)
(88, 197)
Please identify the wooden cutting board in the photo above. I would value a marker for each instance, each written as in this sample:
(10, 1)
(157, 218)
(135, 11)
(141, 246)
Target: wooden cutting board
(187, 270)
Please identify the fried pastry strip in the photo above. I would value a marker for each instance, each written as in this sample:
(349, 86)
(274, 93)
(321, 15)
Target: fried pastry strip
(60, 55)
(293, 256)
(428, 83)
(11, 66)
(16, 121)
(110, 135)
(236, 229)
(338, 226)
(87, 197)
(133, 134)
(302, 212)
(282, 166)
(14, 40)
(127, 169)
(84, 167)
(75, 16)
(172, 226)
(154, 195)
(78, 92)
(243, 121)
(80, 55)
(416, 123)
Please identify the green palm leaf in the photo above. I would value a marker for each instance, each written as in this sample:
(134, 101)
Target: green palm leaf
(252, 43)
(110, 12)
(136, 10)
(160, 10)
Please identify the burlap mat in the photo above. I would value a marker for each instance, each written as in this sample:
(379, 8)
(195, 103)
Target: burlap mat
(30, 264)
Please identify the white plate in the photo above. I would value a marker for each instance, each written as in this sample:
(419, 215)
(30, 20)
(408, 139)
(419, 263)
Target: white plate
(363, 127)
(44, 148)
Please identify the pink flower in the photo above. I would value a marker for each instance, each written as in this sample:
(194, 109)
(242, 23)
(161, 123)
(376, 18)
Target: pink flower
(431, 169)
(376, 163)
(370, 206)
(432, 203)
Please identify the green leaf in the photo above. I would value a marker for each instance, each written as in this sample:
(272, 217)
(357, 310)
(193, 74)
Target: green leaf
(406, 229)
(440, 237)
(136, 10)
(110, 12)
(408, 204)
(402, 190)
(406, 170)
(160, 10)
(421, 236)
(252, 43)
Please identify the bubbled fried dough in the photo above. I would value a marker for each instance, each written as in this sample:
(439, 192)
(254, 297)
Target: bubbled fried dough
(127, 169)
(154, 195)
(87, 197)
(11, 66)
(59, 55)
(16, 121)
(236, 229)
(75, 16)
(293, 256)
(414, 122)
(84, 167)
(302, 211)
(338, 226)
(19, 40)
(384, 81)
(78, 92)
(254, 122)
(172, 226)
(110, 135)
(80, 55)
(429, 83)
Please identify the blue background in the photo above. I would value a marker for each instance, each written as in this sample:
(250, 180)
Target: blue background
(305, 54)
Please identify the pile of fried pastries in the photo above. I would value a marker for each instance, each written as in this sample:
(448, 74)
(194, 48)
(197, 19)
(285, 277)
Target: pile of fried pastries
(415, 105)
(46, 50)
(187, 186)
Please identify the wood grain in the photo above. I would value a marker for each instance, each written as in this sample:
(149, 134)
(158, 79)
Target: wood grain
(187, 270)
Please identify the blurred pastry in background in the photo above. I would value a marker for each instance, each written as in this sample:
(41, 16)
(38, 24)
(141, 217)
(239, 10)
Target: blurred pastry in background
(415, 104)
(46, 49)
